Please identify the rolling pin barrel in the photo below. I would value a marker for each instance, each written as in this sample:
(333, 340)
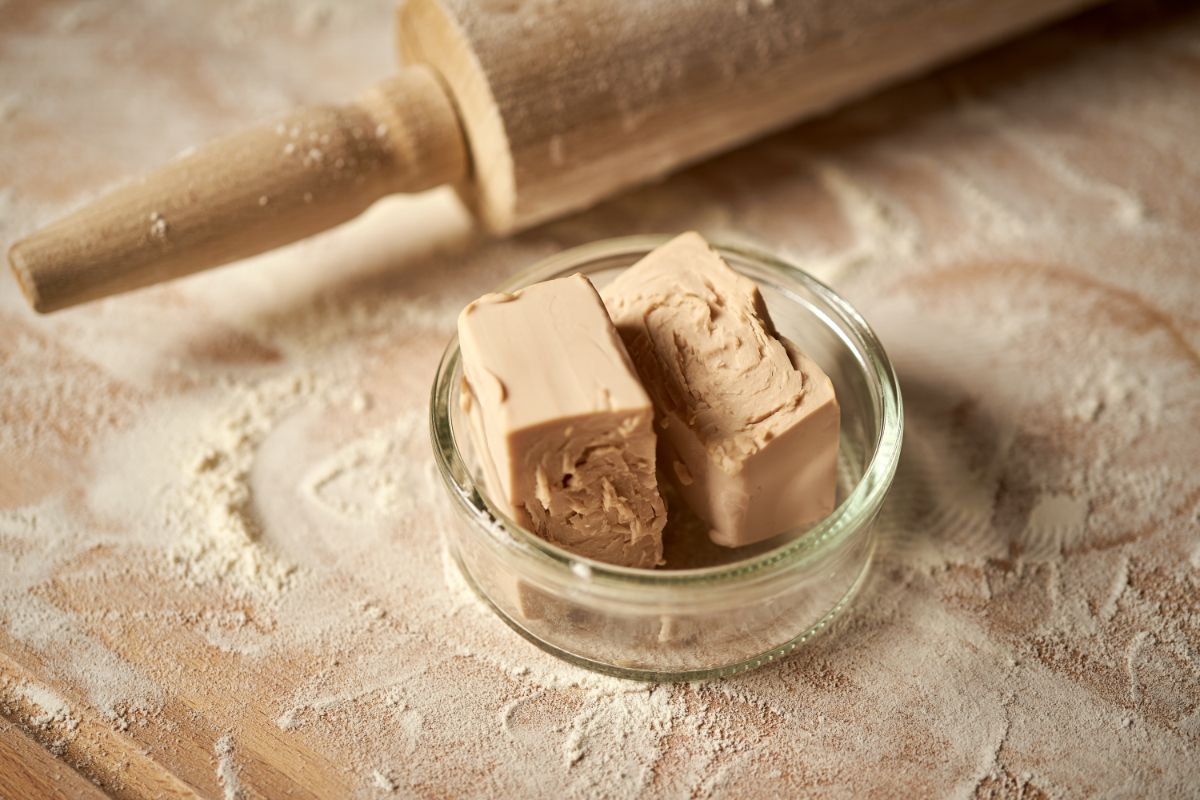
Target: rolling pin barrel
(530, 108)
(567, 103)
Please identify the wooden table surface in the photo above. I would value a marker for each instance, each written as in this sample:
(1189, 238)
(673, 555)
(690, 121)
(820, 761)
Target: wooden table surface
(222, 571)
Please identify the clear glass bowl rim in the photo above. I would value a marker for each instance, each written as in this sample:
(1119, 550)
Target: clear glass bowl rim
(853, 514)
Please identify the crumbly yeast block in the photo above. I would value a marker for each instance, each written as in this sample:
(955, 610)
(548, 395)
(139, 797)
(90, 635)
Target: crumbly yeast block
(562, 423)
(748, 424)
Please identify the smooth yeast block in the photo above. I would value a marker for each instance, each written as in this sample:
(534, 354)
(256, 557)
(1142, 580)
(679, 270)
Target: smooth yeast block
(748, 425)
(564, 427)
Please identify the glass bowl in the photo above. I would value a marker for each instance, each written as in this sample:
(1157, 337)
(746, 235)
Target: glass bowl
(703, 622)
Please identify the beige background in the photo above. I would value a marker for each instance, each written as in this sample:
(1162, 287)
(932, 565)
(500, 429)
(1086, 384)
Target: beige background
(221, 566)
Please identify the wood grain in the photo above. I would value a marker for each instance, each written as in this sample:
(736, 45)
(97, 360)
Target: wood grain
(89, 743)
(30, 771)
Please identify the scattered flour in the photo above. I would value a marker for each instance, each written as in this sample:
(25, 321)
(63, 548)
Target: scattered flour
(215, 507)
(158, 226)
(1059, 512)
(55, 713)
(227, 769)
(223, 508)
(381, 781)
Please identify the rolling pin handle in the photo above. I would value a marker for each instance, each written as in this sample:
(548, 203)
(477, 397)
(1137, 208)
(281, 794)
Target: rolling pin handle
(248, 193)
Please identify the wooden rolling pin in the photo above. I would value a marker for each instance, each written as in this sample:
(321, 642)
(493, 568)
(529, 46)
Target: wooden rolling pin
(532, 108)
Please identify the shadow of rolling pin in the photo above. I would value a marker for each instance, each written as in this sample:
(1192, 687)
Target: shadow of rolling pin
(532, 109)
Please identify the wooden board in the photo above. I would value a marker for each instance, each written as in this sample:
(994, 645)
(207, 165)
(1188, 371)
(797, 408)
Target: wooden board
(1020, 229)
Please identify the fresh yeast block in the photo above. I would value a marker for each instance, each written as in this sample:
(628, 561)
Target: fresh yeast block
(748, 424)
(562, 423)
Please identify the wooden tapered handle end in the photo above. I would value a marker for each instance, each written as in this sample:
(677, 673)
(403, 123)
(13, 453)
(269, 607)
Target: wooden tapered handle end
(259, 189)
(20, 269)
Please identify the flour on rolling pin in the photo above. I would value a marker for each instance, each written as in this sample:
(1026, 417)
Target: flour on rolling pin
(530, 109)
